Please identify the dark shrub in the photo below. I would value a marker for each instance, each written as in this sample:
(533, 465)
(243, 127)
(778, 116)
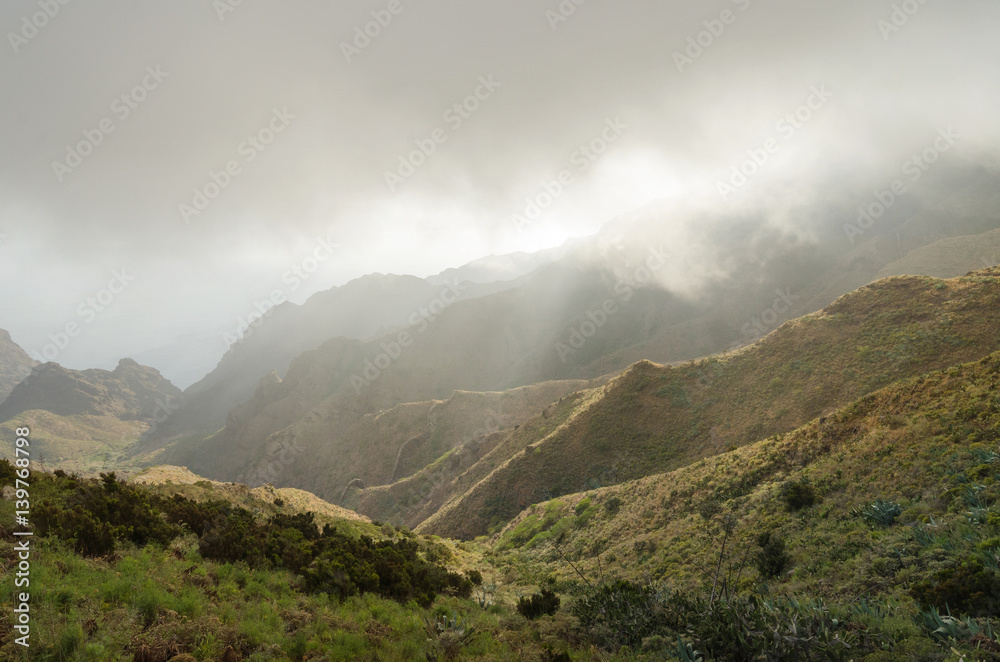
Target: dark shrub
(7, 472)
(771, 560)
(798, 495)
(967, 588)
(613, 505)
(538, 605)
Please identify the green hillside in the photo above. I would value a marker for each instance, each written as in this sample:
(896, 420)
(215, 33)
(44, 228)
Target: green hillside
(655, 418)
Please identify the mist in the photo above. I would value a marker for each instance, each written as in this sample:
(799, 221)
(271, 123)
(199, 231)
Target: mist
(198, 157)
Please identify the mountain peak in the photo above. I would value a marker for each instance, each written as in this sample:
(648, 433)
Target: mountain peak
(15, 364)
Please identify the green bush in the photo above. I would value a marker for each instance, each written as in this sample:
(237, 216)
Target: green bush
(619, 614)
(798, 495)
(771, 559)
(966, 588)
(613, 505)
(96, 515)
(538, 605)
(92, 515)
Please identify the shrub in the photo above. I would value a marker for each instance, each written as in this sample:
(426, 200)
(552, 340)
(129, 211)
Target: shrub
(613, 505)
(744, 628)
(94, 515)
(798, 495)
(772, 559)
(619, 614)
(7, 472)
(538, 605)
(967, 588)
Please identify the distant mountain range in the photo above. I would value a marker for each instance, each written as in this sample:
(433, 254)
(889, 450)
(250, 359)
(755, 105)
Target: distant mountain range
(86, 419)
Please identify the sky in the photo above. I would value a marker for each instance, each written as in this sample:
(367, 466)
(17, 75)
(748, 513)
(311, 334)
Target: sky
(163, 165)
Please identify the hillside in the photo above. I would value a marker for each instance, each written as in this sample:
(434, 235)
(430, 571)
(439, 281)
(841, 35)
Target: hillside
(357, 310)
(657, 418)
(928, 444)
(15, 364)
(380, 448)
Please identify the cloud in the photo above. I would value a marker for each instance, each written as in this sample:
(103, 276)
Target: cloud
(226, 73)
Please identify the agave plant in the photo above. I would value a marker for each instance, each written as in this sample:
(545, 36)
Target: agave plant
(881, 512)
(986, 456)
(687, 652)
(948, 627)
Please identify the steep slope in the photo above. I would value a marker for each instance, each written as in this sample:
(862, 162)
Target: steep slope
(412, 500)
(927, 444)
(654, 418)
(15, 364)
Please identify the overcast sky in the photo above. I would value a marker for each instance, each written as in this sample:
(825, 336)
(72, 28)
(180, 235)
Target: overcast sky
(163, 94)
